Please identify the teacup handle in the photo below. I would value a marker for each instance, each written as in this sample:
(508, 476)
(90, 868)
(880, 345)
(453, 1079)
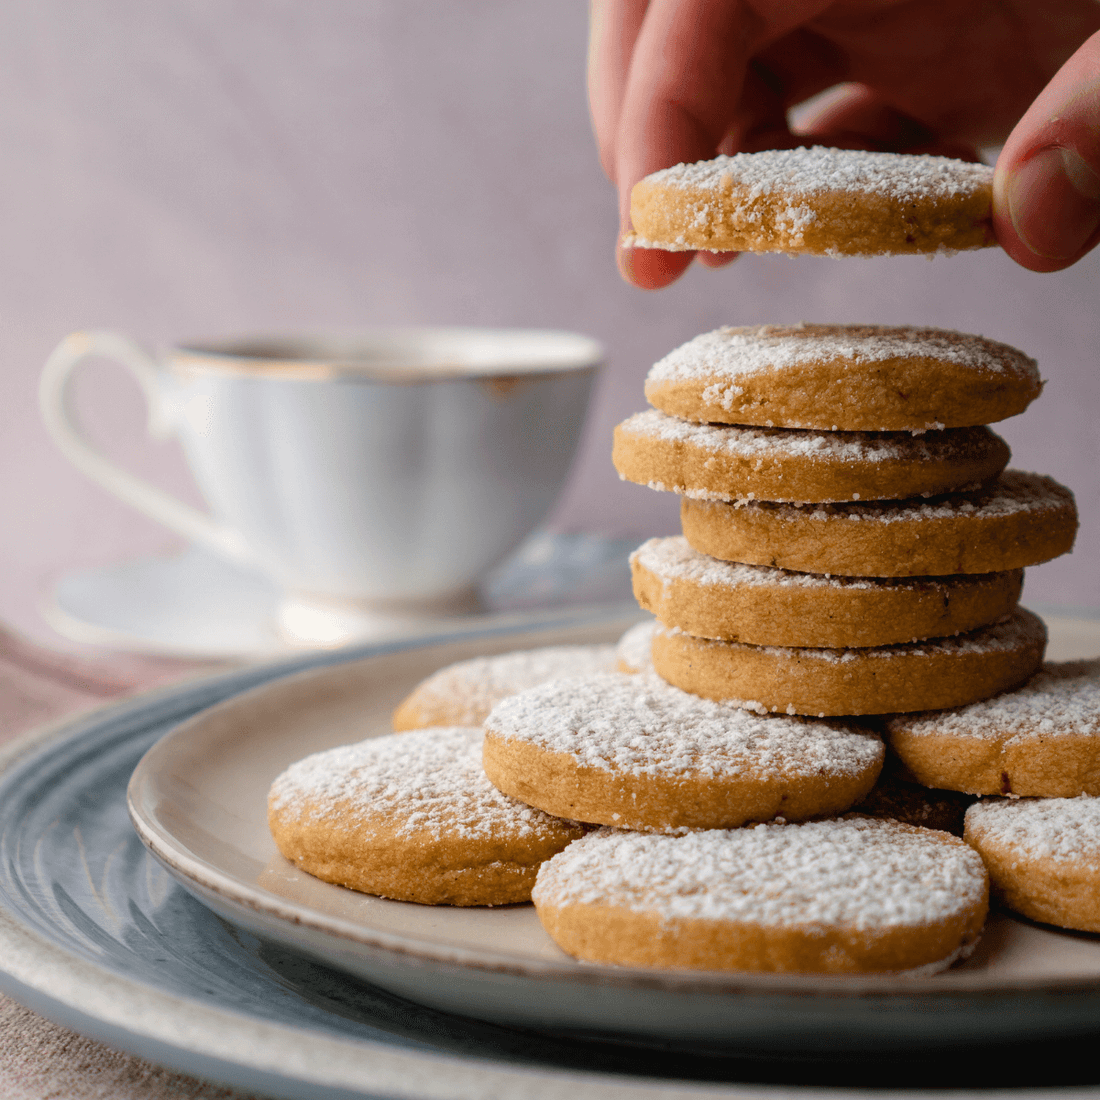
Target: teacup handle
(55, 401)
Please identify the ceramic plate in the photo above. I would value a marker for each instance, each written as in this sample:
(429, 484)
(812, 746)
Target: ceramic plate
(198, 800)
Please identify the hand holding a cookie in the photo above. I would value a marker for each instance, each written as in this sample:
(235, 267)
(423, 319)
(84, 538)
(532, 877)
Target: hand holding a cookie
(683, 80)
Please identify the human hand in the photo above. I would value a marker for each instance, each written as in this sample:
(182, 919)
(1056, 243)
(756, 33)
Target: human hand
(1046, 187)
(685, 80)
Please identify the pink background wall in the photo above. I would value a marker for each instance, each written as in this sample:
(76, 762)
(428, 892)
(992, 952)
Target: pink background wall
(186, 168)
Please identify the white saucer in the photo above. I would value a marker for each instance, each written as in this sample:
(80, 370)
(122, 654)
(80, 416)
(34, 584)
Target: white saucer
(197, 605)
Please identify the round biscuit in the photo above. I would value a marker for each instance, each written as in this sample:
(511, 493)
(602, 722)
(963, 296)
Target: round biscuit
(462, 694)
(631, 751)
(818, 201)
(1043, 857)
(411, 816)
(1020, 519)
(938, 672)
(632, 649)
(728, 462)
(855, 895)
(758, 604)
(832, 377)
(1042, 739)
(896, 796)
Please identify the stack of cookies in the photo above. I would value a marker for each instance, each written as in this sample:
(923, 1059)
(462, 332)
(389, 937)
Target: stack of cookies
(852, 543)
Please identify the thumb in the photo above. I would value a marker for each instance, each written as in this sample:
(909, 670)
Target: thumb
(1046, 188)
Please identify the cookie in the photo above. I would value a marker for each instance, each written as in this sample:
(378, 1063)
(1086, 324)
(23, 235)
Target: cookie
(412, 817)
(764, 606)
(1043, 857)
(940, 672)
(843, 377)
(632, 650)
(850, 896)
(897, 797)
(1019, 519)
(462, 694)
(1041, 739)
(727, 462)
(632, 751)
(817, 201)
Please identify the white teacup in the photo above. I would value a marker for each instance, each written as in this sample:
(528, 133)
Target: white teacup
(390, 469)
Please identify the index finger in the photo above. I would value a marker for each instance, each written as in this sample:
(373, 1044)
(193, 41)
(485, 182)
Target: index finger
(613, 27)
(685, 97)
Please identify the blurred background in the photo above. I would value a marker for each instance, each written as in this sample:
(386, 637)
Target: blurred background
(190, 168)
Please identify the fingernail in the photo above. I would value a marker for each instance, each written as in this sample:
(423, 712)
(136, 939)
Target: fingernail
(1054, 203)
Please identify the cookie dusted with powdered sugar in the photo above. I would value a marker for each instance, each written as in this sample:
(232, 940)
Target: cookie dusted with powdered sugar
(631, 751)
(938, 672)
(843, 377)
(762, 605)
(896, 796)
(411, 816)
(1043, 739)
(632, 650)
(462, 694)
(1043, 857)
(818, 201)
(1020, 519)
(855, 895)
(727, 462)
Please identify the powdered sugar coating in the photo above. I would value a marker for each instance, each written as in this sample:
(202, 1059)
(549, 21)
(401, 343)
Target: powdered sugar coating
(673, 558)
(1014, 492)
(1059, 829)
(804, 199)
(639, 725)
(469, 689)
(1062, 698)
(805, 443)
(633, 648)
(856, 873)
(425, 780)
(724, 355)
(820, 169)
(818, 200)
(1021, 630)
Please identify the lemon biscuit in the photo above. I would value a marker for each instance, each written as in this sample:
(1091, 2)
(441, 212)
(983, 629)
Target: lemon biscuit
(820, 201)
(411, 816)
(762, 605)
(854, 895)
(843, 377)
(462, 694)
(631, 751)
(728, 462)
(1043, 856)
(1020, 519)
(1041, 739)
(939, 672)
